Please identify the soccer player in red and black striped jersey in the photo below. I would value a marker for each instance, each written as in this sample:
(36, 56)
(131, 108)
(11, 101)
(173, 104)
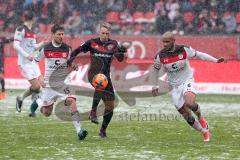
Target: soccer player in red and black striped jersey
(102, 50)
(174, 59)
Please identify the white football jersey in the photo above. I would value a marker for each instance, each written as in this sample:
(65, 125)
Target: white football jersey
(55, 61)
(176, 63)
(25, 44)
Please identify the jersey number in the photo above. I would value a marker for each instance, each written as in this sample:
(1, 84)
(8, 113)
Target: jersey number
(66, 90)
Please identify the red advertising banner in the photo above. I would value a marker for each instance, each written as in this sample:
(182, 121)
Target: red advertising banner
(203, 71)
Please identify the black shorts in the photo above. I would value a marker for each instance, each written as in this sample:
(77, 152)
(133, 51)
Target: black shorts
(106, 94)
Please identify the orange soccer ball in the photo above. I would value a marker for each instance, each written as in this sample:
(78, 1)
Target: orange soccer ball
(99, 81)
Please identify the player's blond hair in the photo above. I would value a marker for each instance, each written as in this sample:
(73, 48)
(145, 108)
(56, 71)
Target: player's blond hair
(106, 25)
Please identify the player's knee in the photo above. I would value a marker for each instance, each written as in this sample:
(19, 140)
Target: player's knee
(189, 104)
(194, 107)
(46, 110)
(69, 101)
(190, 120)
(35, 89)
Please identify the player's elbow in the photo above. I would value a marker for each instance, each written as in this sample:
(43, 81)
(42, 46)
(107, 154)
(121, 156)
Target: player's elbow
(119, 56)
(15, 45)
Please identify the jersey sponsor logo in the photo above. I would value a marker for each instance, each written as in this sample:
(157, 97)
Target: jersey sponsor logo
(102, 55)
(174, 58)
(176, 70)
(57, 62)
(51, 54)
(110, 47)
(29, 35)
(56, 67)
(180, 56)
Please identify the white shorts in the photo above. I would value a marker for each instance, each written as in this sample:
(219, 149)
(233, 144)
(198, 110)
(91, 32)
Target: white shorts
(48, 96)
(178, 93)
(30, 70)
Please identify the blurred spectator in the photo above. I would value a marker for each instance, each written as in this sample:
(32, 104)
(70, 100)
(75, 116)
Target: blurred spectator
(172, 7)
(230, 22)
(73, 23)
(126, 17)
(99, 9)
(84, 7)
(149, 29)
(220, 28)
(210, 16)
(60, 9)
(88, 23)
(46, 10)
(202, 23)
(178, 29)
(117, 5)
(185, 6)
(142, 5)
(163, 23)
(159, 6)
(126, 29)
(35, 6)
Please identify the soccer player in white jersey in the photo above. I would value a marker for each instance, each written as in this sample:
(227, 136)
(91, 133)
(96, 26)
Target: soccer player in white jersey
(56, 54)
(25, 45)
(174, 60)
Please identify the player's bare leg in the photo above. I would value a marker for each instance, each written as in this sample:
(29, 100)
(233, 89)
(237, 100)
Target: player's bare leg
(82, 133)
(2, 81)
(35, 88)
(108, 113)
(192, 105)
(47, 110)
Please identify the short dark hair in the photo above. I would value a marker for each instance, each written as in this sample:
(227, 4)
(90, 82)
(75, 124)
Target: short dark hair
(28, 15)
(56, 27)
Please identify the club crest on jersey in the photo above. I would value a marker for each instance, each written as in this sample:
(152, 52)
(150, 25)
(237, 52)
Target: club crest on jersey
(110, 47)
(180, 56)
(64, 54)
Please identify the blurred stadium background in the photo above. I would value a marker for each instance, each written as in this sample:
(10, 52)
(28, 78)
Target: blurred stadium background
(210, 26)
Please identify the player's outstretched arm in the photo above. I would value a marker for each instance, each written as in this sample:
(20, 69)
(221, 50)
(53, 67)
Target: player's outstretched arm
(73, 55)
(191, 53)
(38, 46)
(154, 73)
(121, 49)
(18, 37)
(20, 50)
(85, 47)
(220, 60)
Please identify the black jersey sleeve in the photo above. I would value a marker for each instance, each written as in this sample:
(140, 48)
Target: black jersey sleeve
(119, 54)
(85, 47)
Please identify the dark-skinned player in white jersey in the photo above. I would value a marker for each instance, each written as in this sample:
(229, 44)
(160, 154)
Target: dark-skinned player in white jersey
(174, 60)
